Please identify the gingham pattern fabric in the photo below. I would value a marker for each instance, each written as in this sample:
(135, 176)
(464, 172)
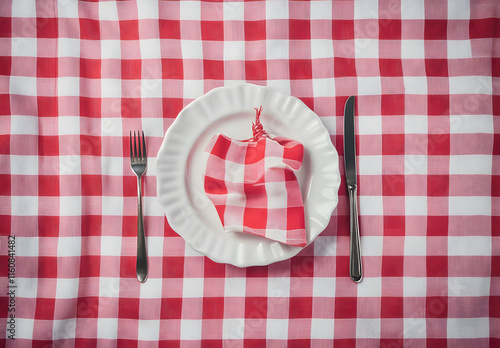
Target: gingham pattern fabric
(253, 186)
(76, 77)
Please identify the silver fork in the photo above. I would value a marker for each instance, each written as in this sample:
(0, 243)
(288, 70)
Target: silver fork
(139, 164)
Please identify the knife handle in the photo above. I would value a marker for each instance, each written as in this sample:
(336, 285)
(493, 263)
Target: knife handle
(355, 270)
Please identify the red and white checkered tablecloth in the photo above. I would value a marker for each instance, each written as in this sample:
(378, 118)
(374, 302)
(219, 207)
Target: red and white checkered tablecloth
(76, 77)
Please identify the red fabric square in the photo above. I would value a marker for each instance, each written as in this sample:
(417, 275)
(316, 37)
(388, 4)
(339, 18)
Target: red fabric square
(393, 104)
(392, 266)
(90, 145)
(90, 266)
(5, 27)
(495, 268)
(299, 29)
(89, 29)
(5, 64)
(5, 188)
(213, 69)
(90, 107)
(90, 68)
(437, 225)
(438, 144)
(213, 307)
(212, 30)
(48, 145)
(255, 30)
(47, 106)
(48, 185)
(391, 307)
(171, 107)
(214, 269)
(438, 185)
(393, 185)
(295, 218)
(436, 67)
(91, 225)
(131, 69)
(435, 29)
(128, 263)
(495, 185)
(131, 107)
(128, 308)
(390, 67)
(436, 307)
(438, 105)
(300, 69)
(302, 266)
(171, 308)
(129, 29)
(255, 218)
(256, 70)
(46, 67)
(255, 307)
(389, 29)
(48, 226)
(5, 144)
(344, 67)
(342, 30)
(4, 104)
(91, 185)
(172, 69)
(47, 267)
(257, 272)
(300, 307)
(87, 307)
(345, 307)
(173, 267)
(46, 27)
(480, 28)
(44, 308)
(437, 266)
(170, 29)
(394, 225)
(495, 226)
(342, 262)
(393, 144)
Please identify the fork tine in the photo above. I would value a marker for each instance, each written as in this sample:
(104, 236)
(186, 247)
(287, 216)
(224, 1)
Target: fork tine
(131, 150)
(135, 147)
(144, 156)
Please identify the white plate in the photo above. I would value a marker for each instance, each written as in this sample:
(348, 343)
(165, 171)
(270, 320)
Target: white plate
(230, 110)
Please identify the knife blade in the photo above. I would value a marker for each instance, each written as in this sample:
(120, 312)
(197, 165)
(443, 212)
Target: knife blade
(355, 268)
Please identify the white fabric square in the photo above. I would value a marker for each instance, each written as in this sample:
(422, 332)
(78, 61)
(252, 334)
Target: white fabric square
(322, 328)
(108, 11)
(471, 164)
(413, 9)
(69, 246)
(150, 48)
(324, 286)
(467, 124)
(190, 10)
(191, 49)
(192, 287)
(372, 245)
(63, 328)
(24, 8)
(277, 49)
(281, 85)
(234, 50)
(24, 205)
(111, 88)
(149, 330)
(416, 164)
(233, 328)
(67, 288)
(111, 126)
(107, 328)
(67, 47)
(147, 9)
(155, 246)
(190, 329)
(416, 124)
(415, 85)
(112, 166)
(415, 246)
(370, 286)
(111, 245)
(370, 125)
(22, 85)
(276, 190)
(459, 9)
(151, 206)
(111, 49)
(412, 49)
(233, 11)
(23, 165)
(414, 328)
(366, 48)
(471, 85)
(365, 9)
(277, 10)
(469, 246)
(468, 327)
(27, 287)
(109, 287)
(459, 49)
(367, 328)
(235, 287)
(69, 164)
(325, 246)
(416, 205)
(414, 286)
(276, 329)
(330, 124)
(151, 88)
(469, 205)
(68, 125)
(23, 47)
(371, 205)
(278, 288)
(67, 9)
(152, 287)
(321, 9)
(469, 286)
(24, 328)
(321, 48)
(152, 127)
(370, 165)
(369, 85)
(70, 205)
(112, 205)
(21, 124)
(323, 87)
(68, 86)
(193, 88)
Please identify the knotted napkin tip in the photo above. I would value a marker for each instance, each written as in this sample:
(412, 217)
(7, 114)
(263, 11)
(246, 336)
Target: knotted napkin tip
(257, 128)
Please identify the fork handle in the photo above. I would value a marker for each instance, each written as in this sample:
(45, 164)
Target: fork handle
(142, 259)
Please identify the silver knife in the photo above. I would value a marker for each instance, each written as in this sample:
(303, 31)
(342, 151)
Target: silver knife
(355, 270)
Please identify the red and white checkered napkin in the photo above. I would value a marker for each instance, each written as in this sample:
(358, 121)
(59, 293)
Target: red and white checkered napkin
(253, 185)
